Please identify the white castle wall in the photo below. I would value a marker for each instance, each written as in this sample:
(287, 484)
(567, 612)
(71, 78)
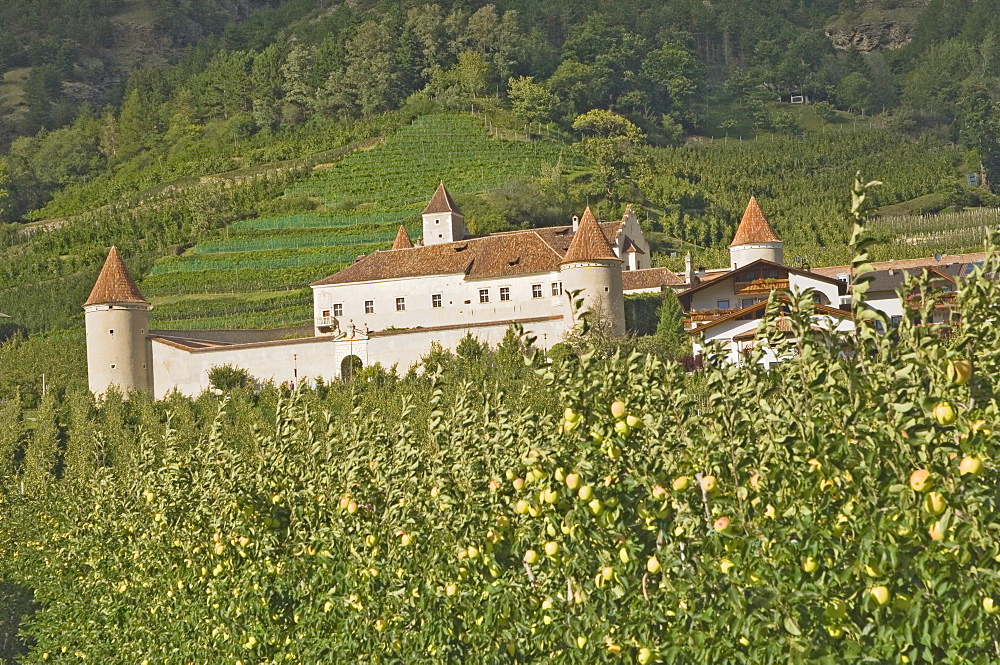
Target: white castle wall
(459, 299)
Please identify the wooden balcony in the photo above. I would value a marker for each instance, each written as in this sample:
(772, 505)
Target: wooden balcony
(759, 286)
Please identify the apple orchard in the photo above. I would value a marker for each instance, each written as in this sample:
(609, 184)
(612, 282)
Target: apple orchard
(840, 507)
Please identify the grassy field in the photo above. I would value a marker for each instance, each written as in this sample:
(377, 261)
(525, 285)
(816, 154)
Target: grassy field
(361, 202)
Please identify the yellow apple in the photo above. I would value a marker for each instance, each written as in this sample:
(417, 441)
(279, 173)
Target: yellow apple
(653, 565)
(970, 466)
(959, 371)
(633, 421)
(618, 408)
(934, 503)
(659, 492)
(709, 484)
(551, 548)
(681, 483)
(530, 557)
(726, 565)
(936, 531)
(450, 589)
(920, 480)
(990, 605)
(721, 524)
(573, 480)
(645, 656)
(810, 565)
(880, 594)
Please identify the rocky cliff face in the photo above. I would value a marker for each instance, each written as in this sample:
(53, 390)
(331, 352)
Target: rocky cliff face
(877, 25)
(871, 36)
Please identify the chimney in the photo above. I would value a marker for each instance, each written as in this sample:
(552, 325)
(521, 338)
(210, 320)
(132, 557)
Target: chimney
(576, 223)
(701, 273)
(688, 269)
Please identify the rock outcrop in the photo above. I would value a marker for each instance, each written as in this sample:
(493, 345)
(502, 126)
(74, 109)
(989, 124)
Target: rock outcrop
(877, 36)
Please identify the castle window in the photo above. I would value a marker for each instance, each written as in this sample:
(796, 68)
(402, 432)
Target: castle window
(113, 365)
(484, 295)
(369, 307)
(437, 221)
(338, 309)
(536, 290)
(111, 332)
(557, 288)
(400, 304)
(326, 312)
(504, 293)
(436, 300)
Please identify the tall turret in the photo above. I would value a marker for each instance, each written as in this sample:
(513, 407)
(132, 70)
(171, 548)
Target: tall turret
(443, 222)
(755, 239)
(117, 319)
(590, 266)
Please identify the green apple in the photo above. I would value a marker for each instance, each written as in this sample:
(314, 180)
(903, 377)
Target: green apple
(450, 589)
(573, 480)
(709, 484)
(726, 565)
(622, 428)
(586, 493)
(681, 483)
(530, 557)
(521, 507)
(551, 548)
(836, 609)
(810, 565)
(944, 414)
(596, 507)
(405, 540)
(581, 641)
(936, 531)
(659, 492)
(571, 415)
(990, 605)
(645, 656)
(607, 573)
(472, 552)
(633, 421)
(653, 565)
(518, 483)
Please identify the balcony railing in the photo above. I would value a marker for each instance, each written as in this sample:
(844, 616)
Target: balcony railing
(327, 322)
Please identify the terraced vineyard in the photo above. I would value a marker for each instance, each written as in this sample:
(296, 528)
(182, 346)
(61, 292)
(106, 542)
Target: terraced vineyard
(219, 282)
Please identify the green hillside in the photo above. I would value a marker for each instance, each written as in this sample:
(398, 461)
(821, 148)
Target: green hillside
(364, 198)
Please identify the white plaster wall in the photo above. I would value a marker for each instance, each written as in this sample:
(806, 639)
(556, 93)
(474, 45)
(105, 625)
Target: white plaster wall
(632, 230)
(187, 371)
(803, 282)
(887, 302)
(725, 332)
(455, 290)
(709, 296)
(406, 349)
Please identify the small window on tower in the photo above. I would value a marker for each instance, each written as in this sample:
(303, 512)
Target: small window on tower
(400, 304)
(437, 221)
(111, 332)
(113, 365)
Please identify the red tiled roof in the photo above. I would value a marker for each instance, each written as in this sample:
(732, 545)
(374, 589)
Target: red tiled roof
(736, 313)
(402, 240)
(114, 284)
(754, 227)
(650, 278)
(490, 256)
(440, 202)
(906, 264)
(589, 241)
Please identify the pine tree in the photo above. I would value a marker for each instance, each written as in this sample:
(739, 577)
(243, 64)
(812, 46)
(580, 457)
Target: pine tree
(670, 337)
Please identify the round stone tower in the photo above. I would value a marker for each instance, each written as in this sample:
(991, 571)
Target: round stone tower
(117, 319)
(591, 267)
(755, 239)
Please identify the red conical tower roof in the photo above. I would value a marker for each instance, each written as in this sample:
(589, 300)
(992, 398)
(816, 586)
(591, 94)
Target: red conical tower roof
(402, 239)
(440, 202)
(589, 241)
(114, 284)
(754, 227)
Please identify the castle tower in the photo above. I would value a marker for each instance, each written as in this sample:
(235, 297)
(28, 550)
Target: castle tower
(590, 266)
(442, 220)
(117, 319)
(755, 239)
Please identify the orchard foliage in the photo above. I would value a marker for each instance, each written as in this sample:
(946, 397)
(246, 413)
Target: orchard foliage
(618, 511)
